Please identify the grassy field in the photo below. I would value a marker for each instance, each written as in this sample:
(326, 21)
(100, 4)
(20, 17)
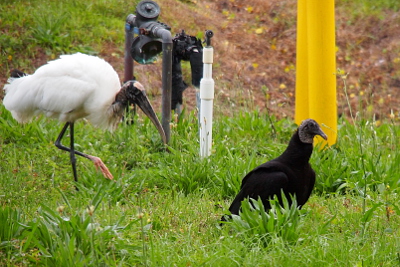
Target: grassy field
(163, 208)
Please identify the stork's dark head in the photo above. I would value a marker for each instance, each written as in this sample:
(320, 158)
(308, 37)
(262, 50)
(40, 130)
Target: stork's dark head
(135, 94)
(135, 91)
(308, 129)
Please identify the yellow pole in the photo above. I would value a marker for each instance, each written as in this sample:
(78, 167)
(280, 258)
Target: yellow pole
(321, 67)
(301, 94)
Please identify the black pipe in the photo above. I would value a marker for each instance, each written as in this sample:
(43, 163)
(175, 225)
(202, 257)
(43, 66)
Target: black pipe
(128, 61)
(166, 38)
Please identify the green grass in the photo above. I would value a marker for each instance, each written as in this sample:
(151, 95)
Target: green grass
(163, 208)
(57, 27)
(371, 6)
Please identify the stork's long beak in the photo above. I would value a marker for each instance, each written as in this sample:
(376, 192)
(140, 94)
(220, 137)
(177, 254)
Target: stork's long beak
(143, 102)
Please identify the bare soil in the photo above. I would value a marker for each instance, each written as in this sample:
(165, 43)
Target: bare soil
(255, 56)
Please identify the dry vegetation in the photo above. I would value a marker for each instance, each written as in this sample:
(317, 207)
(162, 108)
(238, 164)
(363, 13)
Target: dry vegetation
(255, 55)
(255, 43)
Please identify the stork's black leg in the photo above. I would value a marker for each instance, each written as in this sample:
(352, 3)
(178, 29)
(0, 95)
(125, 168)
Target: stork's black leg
(60, 136)
(62, 147)
(97, 161)
(71, 150)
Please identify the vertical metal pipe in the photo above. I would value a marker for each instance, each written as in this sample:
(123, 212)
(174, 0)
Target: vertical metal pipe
(128, 61)
(301, 93)
(166, 87)
(322, 66)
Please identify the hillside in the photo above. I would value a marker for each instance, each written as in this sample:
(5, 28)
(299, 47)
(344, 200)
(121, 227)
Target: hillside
(255, 56)
(255, 51)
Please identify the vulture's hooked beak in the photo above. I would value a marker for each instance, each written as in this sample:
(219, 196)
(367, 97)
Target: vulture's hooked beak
(321, 133)
(138, 97)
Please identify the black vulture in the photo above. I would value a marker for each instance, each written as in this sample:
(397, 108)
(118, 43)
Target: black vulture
(290, 172)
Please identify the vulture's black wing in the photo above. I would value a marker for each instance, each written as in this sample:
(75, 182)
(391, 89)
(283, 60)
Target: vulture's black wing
(263, 183)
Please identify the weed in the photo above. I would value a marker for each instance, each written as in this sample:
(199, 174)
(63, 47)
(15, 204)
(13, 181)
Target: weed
(255, 224)
(48, 31)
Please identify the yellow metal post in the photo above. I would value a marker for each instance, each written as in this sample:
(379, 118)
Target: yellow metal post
(301, 94)
(321, 66)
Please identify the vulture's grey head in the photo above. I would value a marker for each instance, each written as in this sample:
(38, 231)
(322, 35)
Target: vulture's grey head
(308, 129)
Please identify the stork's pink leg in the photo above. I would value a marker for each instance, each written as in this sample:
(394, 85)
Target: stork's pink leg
(100, 165)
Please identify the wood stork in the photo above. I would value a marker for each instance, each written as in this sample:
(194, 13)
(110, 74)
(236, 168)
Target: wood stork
(74, 87)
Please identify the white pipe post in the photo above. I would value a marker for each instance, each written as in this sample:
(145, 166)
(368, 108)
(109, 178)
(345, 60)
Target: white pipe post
(206, 104)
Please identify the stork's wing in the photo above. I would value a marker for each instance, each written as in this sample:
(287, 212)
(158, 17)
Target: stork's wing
(67, 89)
(54, 96)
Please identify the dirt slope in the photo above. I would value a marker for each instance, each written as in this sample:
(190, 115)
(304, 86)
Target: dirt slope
(255, 56)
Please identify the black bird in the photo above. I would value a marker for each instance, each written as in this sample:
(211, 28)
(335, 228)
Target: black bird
(290, 172)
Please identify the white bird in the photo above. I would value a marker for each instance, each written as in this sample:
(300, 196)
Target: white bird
(74, 87)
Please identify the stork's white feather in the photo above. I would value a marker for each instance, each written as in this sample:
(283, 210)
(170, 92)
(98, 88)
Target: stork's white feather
(69, 88)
